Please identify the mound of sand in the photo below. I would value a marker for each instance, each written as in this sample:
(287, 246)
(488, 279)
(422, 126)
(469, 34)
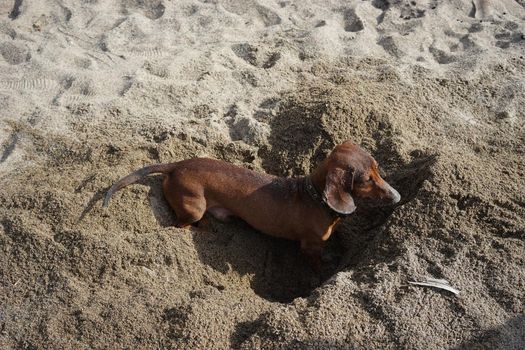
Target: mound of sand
(90, 91)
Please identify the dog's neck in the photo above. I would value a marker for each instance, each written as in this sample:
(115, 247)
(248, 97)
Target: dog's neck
(318, 176)
(317, 196)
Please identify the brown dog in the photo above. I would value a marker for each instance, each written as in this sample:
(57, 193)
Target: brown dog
(304, 209)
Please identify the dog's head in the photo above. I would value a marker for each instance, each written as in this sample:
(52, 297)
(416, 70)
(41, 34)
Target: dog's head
(352, 179)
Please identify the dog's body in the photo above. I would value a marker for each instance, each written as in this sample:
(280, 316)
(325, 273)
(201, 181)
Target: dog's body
(304, 209)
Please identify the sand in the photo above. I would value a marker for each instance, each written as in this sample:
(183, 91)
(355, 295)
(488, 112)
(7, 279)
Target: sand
(91, 90)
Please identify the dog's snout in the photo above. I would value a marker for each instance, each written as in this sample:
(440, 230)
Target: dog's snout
(396, 197)
(391, 195)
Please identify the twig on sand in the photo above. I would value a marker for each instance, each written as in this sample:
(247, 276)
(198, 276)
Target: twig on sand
(436, 283)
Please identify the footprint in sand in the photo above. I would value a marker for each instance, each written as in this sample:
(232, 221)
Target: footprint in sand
(247, 52)
(352, 22)
(87, 88)
(156, 69)
(250, 9)
(148, 53)
(410, 10)
(256, 57)
(476, 28)
(29, 84)
(441, 56)
(76, 91)
(15, 12)
(407, 9)
(82, 62)
(14, 54)
(505, 40)
(269, 17)
(271, 60)
(382, 5)
(509, 35)
(153, 9)
(389, 45)
(463, 42)
(457, 44)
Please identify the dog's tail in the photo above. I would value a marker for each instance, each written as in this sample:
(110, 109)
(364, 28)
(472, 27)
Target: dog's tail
(135, 176)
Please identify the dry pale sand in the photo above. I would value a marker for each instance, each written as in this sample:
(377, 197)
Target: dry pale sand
(90, 90)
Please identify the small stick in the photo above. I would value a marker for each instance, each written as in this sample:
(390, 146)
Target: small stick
(436, 283)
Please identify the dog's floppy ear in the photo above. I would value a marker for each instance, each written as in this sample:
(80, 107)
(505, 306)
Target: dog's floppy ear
(336, 191)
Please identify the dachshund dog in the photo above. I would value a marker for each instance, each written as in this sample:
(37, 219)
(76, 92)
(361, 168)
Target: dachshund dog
(305, 209)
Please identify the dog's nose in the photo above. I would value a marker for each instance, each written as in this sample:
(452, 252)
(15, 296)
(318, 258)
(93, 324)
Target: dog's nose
(396, 197)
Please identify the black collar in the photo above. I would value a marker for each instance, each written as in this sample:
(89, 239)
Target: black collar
(317, 197)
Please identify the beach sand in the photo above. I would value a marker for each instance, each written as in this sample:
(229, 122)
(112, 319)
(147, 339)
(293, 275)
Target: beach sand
(92, 90)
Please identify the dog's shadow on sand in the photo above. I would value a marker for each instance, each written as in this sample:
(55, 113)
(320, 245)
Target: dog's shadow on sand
(279, 271)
